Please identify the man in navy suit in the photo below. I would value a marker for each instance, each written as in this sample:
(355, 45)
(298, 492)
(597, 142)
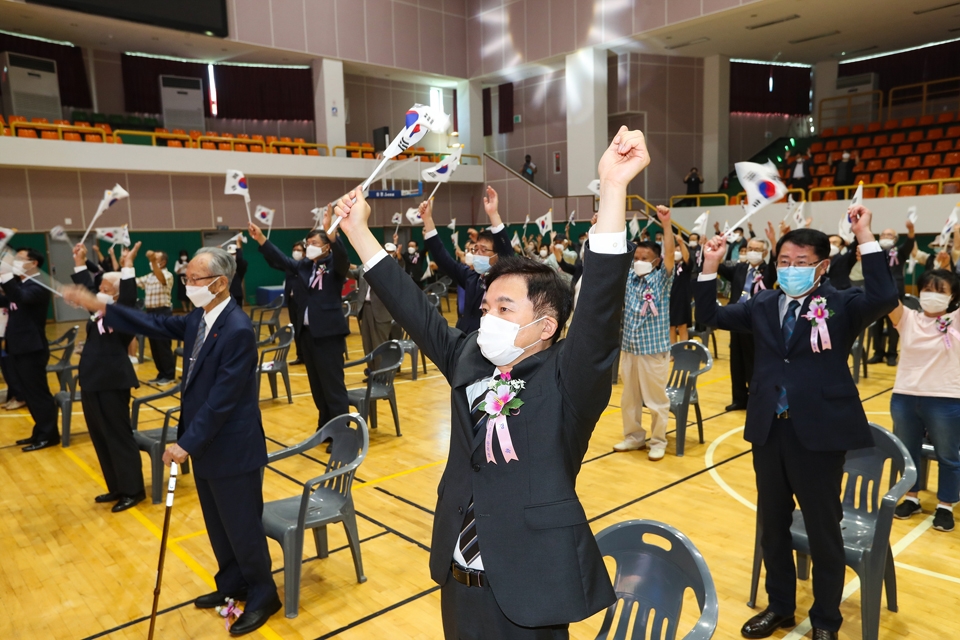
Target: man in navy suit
(220, 427)
(804, 411)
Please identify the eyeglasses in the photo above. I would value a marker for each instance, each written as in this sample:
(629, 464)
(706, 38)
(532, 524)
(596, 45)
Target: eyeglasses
(784, 262)
(481, 250)
(192, 281)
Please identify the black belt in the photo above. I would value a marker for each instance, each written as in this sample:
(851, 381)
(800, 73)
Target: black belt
(469, 577)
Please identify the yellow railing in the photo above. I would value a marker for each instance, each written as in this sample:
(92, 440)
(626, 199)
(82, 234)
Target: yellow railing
(932, 95)
(352, 148)
(348, 148)
(59, 128)
(938, 181)
(855, 108)
(274, 145)
(153, 135)
(698, 197)
(847, 190)
(739, 198)
(650, 210)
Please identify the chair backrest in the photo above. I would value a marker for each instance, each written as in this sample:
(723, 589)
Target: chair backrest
(67, 342)
(437, 288)
(648, 576)
(284, 337)
(864, 469)
(391, 355)
(434, 299)
(690, 359)
(447, 281)
(911, 302)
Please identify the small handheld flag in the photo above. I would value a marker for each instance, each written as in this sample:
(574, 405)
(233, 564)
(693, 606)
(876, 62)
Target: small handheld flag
(515, 240)
(545, 222)
(413, 215)
(952, 221)
(396, 219)
(912, 215)
(798, 218)
(573, 215)
(453, 224)
(443, 171)
(263, 215)
(60, 234)
(845, 229)
(700, 224)
(634, 227)
(114, 235)
(594, 187)
(455, 239)
(762, 184)
(237, 186)
(110, 197)
(6, 235)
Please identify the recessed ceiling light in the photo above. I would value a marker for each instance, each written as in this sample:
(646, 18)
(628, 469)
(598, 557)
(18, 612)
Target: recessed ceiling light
(919, 12)
(772, 22)
(687, 44)
(854, 52)
(816, 37)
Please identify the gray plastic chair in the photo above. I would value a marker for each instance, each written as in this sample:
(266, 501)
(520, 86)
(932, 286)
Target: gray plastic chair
(690, 360)
(651, 577)
(154, 441)
(379, 382)
(927, 453)
(410, 347)
(866, 531)
(440, 289)
(326, 499)
(64, 346)
(271, 312)
(277, 363)
(64, 400)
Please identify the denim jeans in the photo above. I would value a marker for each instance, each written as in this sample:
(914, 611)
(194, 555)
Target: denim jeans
(939, 419)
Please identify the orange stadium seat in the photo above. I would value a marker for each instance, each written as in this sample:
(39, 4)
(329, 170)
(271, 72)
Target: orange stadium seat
(26, 133)
(286, 151)
(115, 139)
(240, 147)
(830, 195)
(816, 147)
(256, 148)
(866, 154)
(904, 149)
(179, 132)
(920, 174)
(911, 162)
(940, 173)
(944, 145)
(49, 135)
(93, 137)
(299, 140)
(160, 130)
(257, 136)
(891, 163)
(900, 176)
(874, 126)
(956, 172)
(226, 135)
(915, 136)
(923, 147)
(874, 165)
(175, 143)
(931, 160)
(195, 134)
(953, 132)
(898, 138)
(313, 151)
(880, 139)
(863, 143)
(862, 177)
(881, 178)
(832, 145)
(271, 139)
(827, 133)
(926, 120)
(366, 145)
(224, 146)
(945, 117)
(952, 158)
(934, 134)
(285, 139)
(244, 136)
(826, 181)
(836, 155)
(208, 145)
(906, 123)
(16, 118)
(39, 121)
(907, 190)
(354, 154)
(824, 170)
(66, 122)
(299, 151)
(843, 131)
(213, 134)
(893, 123)
(858, 128)
(820, 158)
(72, 136)
(847, 143)
(929, 190)
(886, 152)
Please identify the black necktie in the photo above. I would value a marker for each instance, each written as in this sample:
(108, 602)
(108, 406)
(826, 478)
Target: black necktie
(789, 323)
(469, 544)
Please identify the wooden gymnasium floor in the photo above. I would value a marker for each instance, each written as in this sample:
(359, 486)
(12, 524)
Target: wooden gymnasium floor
(72, 569)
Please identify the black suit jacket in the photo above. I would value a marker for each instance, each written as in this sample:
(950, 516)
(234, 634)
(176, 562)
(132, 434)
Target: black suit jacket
(841, 266)
(28, 303)
(380, 311)
(220, 424)
(236, 285)
(104, 363)
(538, 551)
(824, 401)
(737, 275)
(899, 256)
(325, 305)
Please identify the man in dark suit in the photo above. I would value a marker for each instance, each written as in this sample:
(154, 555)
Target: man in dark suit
(374, 317)
(235, 249)
(27, 347)
(800, 171)
(511, 545)
(746, 280)
(804, 411)
(293, 305)
(488, 248)
(220, 427)
(896, 257)
(318, 283)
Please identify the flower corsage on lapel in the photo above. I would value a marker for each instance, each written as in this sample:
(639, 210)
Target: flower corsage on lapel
(318, 276)
(501, 400)
(648, 302)
(945, 326)
(818, 314)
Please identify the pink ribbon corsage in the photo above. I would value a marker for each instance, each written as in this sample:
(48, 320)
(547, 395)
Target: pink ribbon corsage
(318, 277)
(648, 303)
(894, 260)
(818, 314)
(231, 611)
(98, 317)
(13, 306)
(501, 400)
(945, 326)
(758, 283)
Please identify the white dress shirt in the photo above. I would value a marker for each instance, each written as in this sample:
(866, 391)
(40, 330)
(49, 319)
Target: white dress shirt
(210, 317)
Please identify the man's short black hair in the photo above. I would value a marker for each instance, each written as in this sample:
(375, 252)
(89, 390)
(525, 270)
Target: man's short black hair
(843, 242)
(318, 232)
(299, 243)
(33, 255)
(527, 157)
(487, 235)
(940, 278)
(816, 240)
(548, 292)
(740, 229)
(649, 244)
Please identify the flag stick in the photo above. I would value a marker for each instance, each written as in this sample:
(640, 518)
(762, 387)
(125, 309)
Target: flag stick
(363, 187)
(163, 546)
(249, 219)
(45, 286)
(100, 210)
(434, 192)
(269, 229)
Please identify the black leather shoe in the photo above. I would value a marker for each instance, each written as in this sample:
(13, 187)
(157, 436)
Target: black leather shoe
(736, 406)
(891, 361)
(107, 497)
(42, 444)
(125, 502)
(215, 599)
(253, 620)
(765, 623)
(876, 359)
(823, 634)
(24, 441)
(297, 361)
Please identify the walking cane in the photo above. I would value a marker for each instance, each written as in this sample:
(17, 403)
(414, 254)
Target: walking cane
(163, 546)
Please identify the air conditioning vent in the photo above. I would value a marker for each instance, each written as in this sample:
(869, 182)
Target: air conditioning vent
(182, 100)
(30, 87)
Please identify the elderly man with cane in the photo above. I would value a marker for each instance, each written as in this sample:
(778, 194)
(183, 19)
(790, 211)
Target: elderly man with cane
(220, 427)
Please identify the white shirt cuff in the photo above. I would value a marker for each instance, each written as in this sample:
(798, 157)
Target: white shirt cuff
(128, 272)
(497, 229)
(372, 262)
(7, 277)
(706, 277)
(80, 269)
(612, 243)
(429, 234)
(870, 247)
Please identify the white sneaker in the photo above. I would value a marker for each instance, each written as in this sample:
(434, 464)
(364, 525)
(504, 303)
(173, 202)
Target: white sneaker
(629, 445)
(656, 452)
(134, 360)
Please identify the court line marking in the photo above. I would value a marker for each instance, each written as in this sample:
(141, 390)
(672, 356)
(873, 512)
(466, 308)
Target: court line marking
(370, 483)
(927, 572)
(177, 550)
(188, 536)
(708, 461)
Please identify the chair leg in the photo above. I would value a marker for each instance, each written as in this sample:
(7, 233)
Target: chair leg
(871, 592)
(890, 581)
(292, 565)
(156, 471)
(350, 527)
(393, 407)
(286, 382)
(803, 566)
(141, 342)
(755, 573)
(272, 377)
(924, 472)
(66, 410)
(423, 359)
(681, 429)
(714, 336)
(414, 354)
(373, 413)
(696, 408)
(320, 538)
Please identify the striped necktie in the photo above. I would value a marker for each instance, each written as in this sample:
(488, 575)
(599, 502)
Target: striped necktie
(789, 323)
(197, 345)
(468, 543)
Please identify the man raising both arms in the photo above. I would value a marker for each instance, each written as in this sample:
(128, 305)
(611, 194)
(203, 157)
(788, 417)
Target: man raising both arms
(511, 545)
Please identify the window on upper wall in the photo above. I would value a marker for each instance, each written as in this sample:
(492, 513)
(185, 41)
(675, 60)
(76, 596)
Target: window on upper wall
(436, 99)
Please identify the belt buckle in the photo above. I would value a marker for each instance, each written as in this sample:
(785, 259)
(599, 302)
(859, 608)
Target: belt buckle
(783, 415)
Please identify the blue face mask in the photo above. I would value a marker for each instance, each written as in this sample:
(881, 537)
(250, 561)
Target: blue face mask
(481, 264)
(796, 281)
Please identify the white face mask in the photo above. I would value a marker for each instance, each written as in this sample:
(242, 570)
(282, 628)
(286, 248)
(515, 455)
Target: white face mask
(543, 253)
(736, 237)
(846, 156)
(887, 243)
(642, 268)
(200, 296)
(677, 256)
(693, 244)
(754, 257)
(18, 266)
(834, 250)
(105, 298)
(468, 259)
(933, 302)
(314, 252)
(297, 255)
(411, 250)
(496, 339)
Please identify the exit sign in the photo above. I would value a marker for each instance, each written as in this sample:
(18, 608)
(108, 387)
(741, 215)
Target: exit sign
(517, 119)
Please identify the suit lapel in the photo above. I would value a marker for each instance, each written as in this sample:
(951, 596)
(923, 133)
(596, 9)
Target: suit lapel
(212, 337)
(772, 311)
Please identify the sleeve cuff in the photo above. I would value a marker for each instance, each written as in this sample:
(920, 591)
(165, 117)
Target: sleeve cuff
(498, 228)
(870, 247)
(5, 278)
(372, 262)
(612, 243)
(80, 269)
(706, 277)
(429, 234)
(128, 272)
